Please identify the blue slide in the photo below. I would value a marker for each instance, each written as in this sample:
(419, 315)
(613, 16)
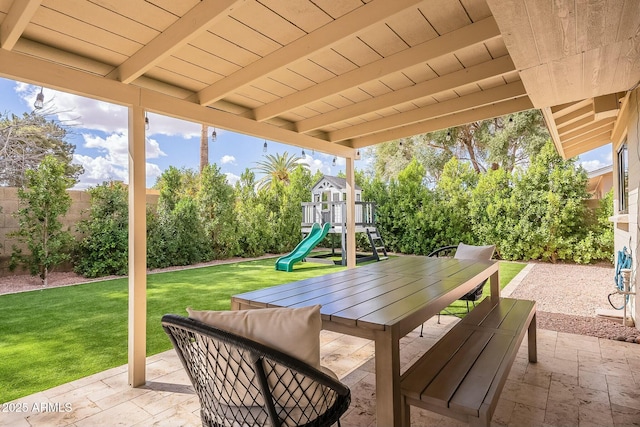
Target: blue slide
(285, 263)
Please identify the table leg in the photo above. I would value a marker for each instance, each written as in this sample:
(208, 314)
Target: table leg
(387, 363)
(494, 282)
(532, 343)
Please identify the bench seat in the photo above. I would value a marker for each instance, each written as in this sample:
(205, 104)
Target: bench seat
(462, 375)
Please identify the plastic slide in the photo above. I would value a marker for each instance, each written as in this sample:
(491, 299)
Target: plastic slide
(285, 263)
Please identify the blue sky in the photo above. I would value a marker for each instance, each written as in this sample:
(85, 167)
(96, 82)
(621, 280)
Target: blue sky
(99, 132)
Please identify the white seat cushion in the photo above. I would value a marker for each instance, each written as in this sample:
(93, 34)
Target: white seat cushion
(474, 252)
(294, 331)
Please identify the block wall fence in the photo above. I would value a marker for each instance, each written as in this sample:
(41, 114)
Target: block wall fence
(9, 202)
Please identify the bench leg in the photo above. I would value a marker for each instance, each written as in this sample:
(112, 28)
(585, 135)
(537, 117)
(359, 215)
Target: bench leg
(532, 343)
(406, 413)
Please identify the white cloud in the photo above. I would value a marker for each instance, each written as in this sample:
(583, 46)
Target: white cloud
(92, 114)
(231, 178)
(316, 164)
(228, 160)
(590, 165)
(113, 161)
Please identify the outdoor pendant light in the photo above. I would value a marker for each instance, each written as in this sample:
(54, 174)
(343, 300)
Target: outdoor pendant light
(146, 121)
(39, 100)
(334, 162)
(264, 147)
(214, 135)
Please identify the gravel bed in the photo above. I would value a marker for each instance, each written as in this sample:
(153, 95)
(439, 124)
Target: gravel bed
(567, 295)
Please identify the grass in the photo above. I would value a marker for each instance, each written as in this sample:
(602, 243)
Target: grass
(54, 336)
(57, 335)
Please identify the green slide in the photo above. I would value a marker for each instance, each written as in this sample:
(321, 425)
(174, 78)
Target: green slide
(285, 263)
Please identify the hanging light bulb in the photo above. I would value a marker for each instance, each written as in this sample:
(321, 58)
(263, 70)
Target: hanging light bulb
(449, 136)
(334, 161)
(264, 146)
(400, 143)
(146, 121)
(39, 100)
(214, 135)
(303, 153)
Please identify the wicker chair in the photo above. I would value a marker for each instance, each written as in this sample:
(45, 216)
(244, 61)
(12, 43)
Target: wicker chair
(240, 382)
(463, 251)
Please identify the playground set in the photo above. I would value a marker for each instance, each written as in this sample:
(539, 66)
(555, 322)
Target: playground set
(326, 216)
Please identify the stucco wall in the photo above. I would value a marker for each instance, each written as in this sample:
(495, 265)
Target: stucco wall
(80, 204)
(626, 226)
(633, 140)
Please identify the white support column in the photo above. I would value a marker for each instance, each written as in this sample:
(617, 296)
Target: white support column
(137, 249)
(351, 213)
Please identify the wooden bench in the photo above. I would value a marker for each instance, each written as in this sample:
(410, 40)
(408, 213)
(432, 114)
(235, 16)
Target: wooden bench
(462, 375)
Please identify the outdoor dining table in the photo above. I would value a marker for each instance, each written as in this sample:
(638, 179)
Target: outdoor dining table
(382, 301)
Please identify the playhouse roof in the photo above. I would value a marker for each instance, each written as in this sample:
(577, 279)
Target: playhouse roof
(335, 181)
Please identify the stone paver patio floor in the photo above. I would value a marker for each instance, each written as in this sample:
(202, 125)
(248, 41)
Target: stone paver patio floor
(578, 381)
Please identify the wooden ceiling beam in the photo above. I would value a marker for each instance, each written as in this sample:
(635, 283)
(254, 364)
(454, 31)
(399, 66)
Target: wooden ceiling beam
(187, 110)
(575, 115)
(444, 83)
(596, 135)
(547, 113)
(17, 19)
(558, 108)
(587, 146)
(476, 114)
(581, 132)
(195, 22)
(324, 37)
(478, 32)
(456, 105)
(564, 129)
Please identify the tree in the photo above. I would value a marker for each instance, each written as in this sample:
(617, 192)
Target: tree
(25, 141)
(215, 199)
(503, 142)
(514, 139)
(43, 202)
(278, 168)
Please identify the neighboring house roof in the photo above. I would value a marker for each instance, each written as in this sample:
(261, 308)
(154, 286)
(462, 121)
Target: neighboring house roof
(335, 182)
(600, 181)
(600, 171)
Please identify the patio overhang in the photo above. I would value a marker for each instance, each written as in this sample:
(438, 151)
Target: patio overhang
(332, 76)
(577, 62)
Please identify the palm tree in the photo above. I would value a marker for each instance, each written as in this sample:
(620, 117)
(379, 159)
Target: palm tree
(278, 168)
(204, 147)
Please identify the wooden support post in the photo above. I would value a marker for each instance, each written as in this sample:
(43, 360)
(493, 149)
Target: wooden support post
(351, 213)
(137, 249)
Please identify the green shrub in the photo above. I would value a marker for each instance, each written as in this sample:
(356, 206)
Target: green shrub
(104, 248)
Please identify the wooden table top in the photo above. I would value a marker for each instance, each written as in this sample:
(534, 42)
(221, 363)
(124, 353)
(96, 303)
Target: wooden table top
(378, 295)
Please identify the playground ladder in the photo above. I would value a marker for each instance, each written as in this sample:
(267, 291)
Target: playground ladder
(377, 244)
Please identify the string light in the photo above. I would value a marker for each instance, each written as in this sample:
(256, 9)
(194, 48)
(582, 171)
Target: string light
(264, 147)
(146, 121)
(214, 135)
(334, 162)
(39, 100)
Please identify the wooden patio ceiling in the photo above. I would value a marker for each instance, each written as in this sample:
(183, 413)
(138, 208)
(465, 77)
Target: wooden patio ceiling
(329, 75)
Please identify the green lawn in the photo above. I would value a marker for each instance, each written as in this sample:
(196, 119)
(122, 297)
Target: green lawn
(57, 335)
